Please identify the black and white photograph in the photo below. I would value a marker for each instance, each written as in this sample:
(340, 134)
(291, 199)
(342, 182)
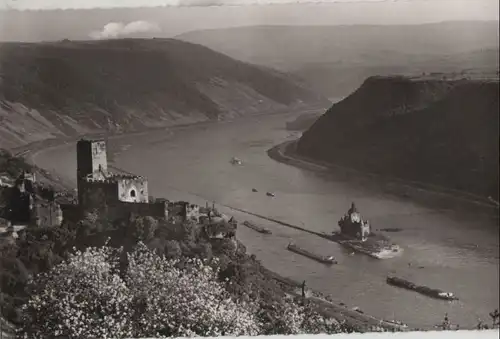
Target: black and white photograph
(209, 168)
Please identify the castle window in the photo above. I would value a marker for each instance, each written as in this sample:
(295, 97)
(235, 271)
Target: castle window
(132, 193)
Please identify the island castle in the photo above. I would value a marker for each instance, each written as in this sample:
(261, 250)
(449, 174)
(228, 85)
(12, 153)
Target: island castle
(353, 225)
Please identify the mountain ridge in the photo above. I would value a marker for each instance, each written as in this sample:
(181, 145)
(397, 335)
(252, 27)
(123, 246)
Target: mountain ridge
(68, 88)
(335, 60)
(434, 130)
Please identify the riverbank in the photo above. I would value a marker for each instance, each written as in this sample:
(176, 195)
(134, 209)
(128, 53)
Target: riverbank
(48, 143)
(193, 165)
(427, 195)
(358, 320)
(339, 311)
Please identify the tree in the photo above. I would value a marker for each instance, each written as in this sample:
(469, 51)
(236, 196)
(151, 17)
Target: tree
(91, 295)
(173, 249)
(83, 297)
(194, 302)
(287, 317)
(88, 297)
(144, 228)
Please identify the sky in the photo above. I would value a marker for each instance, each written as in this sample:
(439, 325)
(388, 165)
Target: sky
(86, 4)
(42, 20)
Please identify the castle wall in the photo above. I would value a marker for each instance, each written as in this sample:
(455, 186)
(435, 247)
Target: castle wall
(47, 214)
(123, 210)
(71, 212)
(116, 196)
(99, 156)
(96, 194)
(133, 190)
(19, 206)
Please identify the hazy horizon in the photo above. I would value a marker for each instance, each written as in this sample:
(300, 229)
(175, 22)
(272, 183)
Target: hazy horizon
(167, 22)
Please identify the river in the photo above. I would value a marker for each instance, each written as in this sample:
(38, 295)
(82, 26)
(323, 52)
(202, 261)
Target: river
(443, 249)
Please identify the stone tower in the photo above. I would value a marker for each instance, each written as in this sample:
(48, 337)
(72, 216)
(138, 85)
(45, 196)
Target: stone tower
(91, 161)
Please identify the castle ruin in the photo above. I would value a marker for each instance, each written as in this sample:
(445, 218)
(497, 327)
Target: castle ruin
(30, 204)
(118, 195)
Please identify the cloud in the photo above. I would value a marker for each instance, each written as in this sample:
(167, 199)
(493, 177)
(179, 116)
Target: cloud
(114, 30)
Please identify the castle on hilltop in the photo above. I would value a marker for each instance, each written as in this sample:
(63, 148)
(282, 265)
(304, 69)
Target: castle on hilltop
(119, 195)
(113, 196)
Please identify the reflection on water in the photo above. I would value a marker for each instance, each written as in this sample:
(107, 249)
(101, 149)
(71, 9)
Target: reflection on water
(442, 249)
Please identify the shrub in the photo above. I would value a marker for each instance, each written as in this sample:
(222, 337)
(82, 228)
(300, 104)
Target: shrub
(88, 296)
(91, 295)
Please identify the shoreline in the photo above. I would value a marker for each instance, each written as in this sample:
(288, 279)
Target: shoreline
(418, 192)
(39, 145)
(360, 321)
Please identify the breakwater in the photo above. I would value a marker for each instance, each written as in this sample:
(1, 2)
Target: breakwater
(273, 220)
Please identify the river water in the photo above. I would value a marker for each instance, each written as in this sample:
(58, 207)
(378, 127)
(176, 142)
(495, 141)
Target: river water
(443, 249)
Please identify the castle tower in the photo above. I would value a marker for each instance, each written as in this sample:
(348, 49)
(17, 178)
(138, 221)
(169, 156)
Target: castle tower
(91, 160)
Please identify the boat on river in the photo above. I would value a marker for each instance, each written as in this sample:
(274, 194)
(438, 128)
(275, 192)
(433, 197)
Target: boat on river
(236, 161)
(270, 194)
(257, 228)
(355, 234)
(322, 259)
(430, 292)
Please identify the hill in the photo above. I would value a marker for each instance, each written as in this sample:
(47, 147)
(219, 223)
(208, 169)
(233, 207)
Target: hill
(437, 130)
(336, 59)
(68, 88)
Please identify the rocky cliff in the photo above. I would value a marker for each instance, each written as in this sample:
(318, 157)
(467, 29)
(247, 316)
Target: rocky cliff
(68, 88)
(429, 129)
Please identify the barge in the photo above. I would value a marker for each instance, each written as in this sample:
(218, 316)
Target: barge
(430, 292)
(325, 260)
(257, 228)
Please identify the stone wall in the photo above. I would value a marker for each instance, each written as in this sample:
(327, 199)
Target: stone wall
(133, 189)
(91, 159)
(71, 212)
(123, 210)
(99, 156)
(47, 214)
(97, 194)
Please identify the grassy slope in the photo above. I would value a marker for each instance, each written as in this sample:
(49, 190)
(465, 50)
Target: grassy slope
(68, 88)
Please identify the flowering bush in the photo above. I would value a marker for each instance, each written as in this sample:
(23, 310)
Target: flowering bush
(87, 296)
(289, 317)
(83, 297)
(90, 296)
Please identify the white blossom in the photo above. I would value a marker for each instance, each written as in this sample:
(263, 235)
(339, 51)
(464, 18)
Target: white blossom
(87, 297)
